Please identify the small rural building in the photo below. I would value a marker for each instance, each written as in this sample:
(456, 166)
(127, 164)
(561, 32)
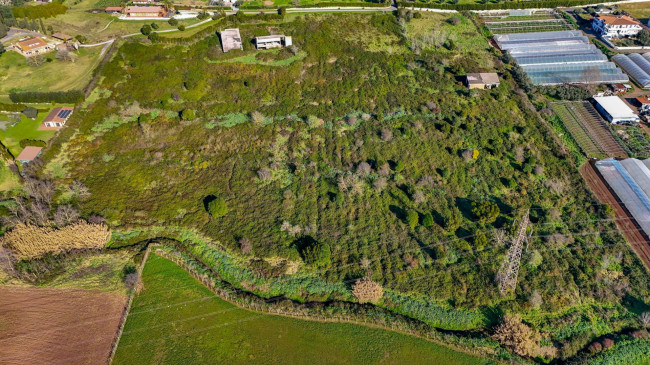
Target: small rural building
(615, 110)
(482, 80)
(28, 154)
(62, 37)
(230, 39)
(33, 46)
(644, 103)
(145, 11)
(58, 116)
(113, 10)
(614, 26)
(273, 41)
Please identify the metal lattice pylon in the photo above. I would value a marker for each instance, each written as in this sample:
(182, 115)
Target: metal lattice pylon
(507, 276)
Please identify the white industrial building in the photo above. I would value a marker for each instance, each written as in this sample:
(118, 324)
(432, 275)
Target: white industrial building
(615, 110)
(273, 41)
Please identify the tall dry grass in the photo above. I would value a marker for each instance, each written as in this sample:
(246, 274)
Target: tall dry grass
(28, 241)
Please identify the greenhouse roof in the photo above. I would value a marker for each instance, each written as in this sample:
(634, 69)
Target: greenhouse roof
(560, 57)
(630, 180)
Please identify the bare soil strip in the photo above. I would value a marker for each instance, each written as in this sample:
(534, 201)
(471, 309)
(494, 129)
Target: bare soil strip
(66, 326)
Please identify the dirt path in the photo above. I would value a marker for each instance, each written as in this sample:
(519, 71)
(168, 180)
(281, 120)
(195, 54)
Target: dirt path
(57, 326)
(624, 221)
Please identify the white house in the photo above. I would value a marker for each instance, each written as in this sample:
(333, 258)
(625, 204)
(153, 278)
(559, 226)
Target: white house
(614, 26)
(273, 41)
(615, 110)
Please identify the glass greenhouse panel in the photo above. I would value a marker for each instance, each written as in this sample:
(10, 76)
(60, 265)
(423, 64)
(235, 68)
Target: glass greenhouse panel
(633, 70)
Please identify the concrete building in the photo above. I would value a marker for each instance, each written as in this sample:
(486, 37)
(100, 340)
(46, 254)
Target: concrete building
(33, 46)
(615, 110)
(482, 80)
(614, 26)
(273, 41)
(28, 154)
(230, 39)
(145, 12)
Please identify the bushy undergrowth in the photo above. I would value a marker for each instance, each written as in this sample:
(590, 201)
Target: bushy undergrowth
(362, 147)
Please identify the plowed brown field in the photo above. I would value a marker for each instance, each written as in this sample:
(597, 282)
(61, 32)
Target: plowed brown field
(624, 221)
(57, 326)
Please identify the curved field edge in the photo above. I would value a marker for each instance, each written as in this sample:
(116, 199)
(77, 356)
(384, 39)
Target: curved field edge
(230, 269)
(174, 309)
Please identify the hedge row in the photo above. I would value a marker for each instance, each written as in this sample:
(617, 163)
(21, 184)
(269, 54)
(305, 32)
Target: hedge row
(32, 142)
(71, 96)
(186, 7)
(329, 4)
(39, 11)
(496, 6)
(12, 107)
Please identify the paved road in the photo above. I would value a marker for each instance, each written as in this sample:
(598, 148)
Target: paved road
(14, 32)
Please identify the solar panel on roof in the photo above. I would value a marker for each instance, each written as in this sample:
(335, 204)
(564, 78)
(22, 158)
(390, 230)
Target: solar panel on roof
(63, 114)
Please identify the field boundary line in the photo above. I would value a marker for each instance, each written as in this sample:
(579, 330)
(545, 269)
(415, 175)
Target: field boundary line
(127, 307)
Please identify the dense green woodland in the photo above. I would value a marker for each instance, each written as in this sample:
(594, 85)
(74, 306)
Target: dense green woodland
(357, 151)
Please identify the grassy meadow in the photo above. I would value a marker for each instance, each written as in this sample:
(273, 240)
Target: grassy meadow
(176, 319)
(17, 74)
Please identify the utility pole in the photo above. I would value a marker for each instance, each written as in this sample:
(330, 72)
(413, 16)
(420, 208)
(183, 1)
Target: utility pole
(507, 276)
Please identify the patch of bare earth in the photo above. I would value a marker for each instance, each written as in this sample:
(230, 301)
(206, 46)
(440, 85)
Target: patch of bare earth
(57, 326)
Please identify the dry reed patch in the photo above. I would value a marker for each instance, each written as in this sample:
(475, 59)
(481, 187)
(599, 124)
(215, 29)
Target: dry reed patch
(28, 241)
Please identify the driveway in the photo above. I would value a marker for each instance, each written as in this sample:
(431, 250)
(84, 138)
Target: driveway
(15, 32)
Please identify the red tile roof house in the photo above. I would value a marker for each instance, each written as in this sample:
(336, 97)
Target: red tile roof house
(114, 9)
(28, 154)
(58, 116)
(33, 46)
(145, 12)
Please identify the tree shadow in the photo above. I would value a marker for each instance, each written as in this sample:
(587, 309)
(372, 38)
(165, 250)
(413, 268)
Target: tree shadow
(207, 200)
(398, 211)
(465, 207)
(634, 304)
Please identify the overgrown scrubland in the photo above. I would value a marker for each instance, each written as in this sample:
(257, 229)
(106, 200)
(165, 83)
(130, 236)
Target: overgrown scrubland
(365, 155)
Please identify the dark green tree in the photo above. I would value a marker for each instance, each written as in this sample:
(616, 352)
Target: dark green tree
(146, 29)
(318, 254)
(412, 218)
(427, 220)
(485, 211)
(217, 207)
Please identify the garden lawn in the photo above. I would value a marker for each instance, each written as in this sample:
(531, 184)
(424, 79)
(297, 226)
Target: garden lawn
(175, 319)
(56, 75)
(25, 129)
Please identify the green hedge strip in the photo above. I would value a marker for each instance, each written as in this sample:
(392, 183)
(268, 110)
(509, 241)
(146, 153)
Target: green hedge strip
(492, 6)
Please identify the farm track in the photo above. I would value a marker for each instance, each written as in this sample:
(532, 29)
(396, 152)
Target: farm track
(589, 129)
(625, 222)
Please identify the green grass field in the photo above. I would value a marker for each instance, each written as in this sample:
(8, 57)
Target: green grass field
(11, 135)
(640, 11)
(56, 75)
(176, 320)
